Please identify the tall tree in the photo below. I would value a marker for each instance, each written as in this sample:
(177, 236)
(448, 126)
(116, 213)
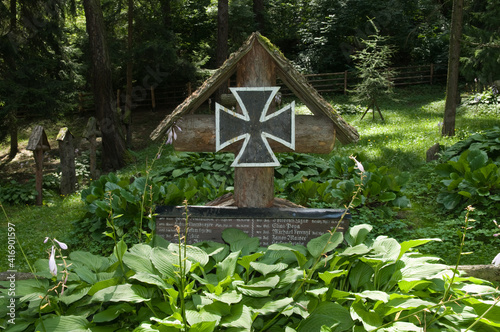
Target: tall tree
(222, 31)
(12, 120)
(452, 94)
(222, 40)
(127, 117)
(258, 10)
(113, 142)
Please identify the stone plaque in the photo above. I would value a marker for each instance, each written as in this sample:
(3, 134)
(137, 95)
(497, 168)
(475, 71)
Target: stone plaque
(271, 225)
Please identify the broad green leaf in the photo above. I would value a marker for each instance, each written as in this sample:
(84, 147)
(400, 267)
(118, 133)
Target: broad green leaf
(120, 249)
(151, 279)
(330, 314)
(64, 324)
(328, 276)
(356, 235)
(360, 249)
(125, 293)
(227, 266)
(407, 245)
(407, 285)
(374, 295)
(477, 159)
(103, 284)
(301, 257)
(112, 312)
(246, 260)
(197, 255)
(273, 306)
(85, 274)
(231, 235)
(399, 304)
(290, 276)
(266, 269)
(240, 317)
(73, 296)
(203, 327)
(231, 297)
(94, 262)
(490, 310)
(360, 275)
(137, 258)
(324, 244)
(164, 260)
(369, 318)
(317, 291)
(402, 326)
(195, 317)
(387, 196)
(245, 246)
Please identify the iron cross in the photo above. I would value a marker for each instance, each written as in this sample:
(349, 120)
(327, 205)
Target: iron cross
(255, 126)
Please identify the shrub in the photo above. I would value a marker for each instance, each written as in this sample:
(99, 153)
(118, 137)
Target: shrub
(15, 193)
(324, 286)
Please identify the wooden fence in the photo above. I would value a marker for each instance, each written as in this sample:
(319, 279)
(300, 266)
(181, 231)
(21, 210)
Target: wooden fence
(341, 82)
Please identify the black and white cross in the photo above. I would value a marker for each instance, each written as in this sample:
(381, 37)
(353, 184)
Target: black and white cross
(255, 126)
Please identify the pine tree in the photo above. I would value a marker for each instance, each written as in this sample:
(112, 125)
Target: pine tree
(372, 64)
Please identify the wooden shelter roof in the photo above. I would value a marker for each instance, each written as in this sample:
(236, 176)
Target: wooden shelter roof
(293, 79)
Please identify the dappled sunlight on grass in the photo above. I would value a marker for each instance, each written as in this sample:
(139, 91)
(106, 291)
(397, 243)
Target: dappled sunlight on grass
(413, 123)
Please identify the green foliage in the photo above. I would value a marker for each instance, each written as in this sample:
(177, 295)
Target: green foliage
(315, 182)
(470, 173)
(15, 193)
(325, 286)
(372, 64)
(126, 205)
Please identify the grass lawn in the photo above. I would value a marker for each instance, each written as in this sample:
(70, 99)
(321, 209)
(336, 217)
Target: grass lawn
(411, 126)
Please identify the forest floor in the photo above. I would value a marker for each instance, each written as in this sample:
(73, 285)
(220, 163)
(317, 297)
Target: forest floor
(21, 168)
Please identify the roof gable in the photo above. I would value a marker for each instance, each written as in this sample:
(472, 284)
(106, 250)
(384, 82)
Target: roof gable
(294, 80)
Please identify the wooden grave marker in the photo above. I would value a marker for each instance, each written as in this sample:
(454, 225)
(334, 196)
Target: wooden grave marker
(91, 133)
(67, 156)
(254, 130)
(38, 143)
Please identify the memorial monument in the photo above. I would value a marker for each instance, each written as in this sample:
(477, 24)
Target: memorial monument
(252, 128)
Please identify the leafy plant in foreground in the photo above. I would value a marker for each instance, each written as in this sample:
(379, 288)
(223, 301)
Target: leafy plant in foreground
(362, 286)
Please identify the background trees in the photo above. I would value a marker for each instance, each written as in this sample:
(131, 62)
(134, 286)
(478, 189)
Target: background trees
(45, 55)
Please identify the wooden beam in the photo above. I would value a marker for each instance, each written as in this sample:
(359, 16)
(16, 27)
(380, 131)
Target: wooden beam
(254, 186)
(313, 134)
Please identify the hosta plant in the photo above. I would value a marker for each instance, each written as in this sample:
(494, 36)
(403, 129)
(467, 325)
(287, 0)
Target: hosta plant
(335, 283)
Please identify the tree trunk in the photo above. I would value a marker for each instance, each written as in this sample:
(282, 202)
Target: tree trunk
(113, 142)
(452, 93)
(222, 37)
(166, 10)
(222, 31)
(127, 118)
(14, 145)
(258, 11)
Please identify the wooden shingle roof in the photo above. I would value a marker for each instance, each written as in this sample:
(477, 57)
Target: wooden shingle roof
(293, 79)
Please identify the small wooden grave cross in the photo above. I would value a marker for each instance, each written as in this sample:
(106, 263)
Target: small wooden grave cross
(67, 155)
(254, 131)
(38, 143)
(91, 133)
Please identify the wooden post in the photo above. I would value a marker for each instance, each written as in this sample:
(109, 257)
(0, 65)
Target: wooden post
(67, 155)
(38, 143)
(432, 72)
(91, 134)
(345, 82)
(254, 186)
(153, 101)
